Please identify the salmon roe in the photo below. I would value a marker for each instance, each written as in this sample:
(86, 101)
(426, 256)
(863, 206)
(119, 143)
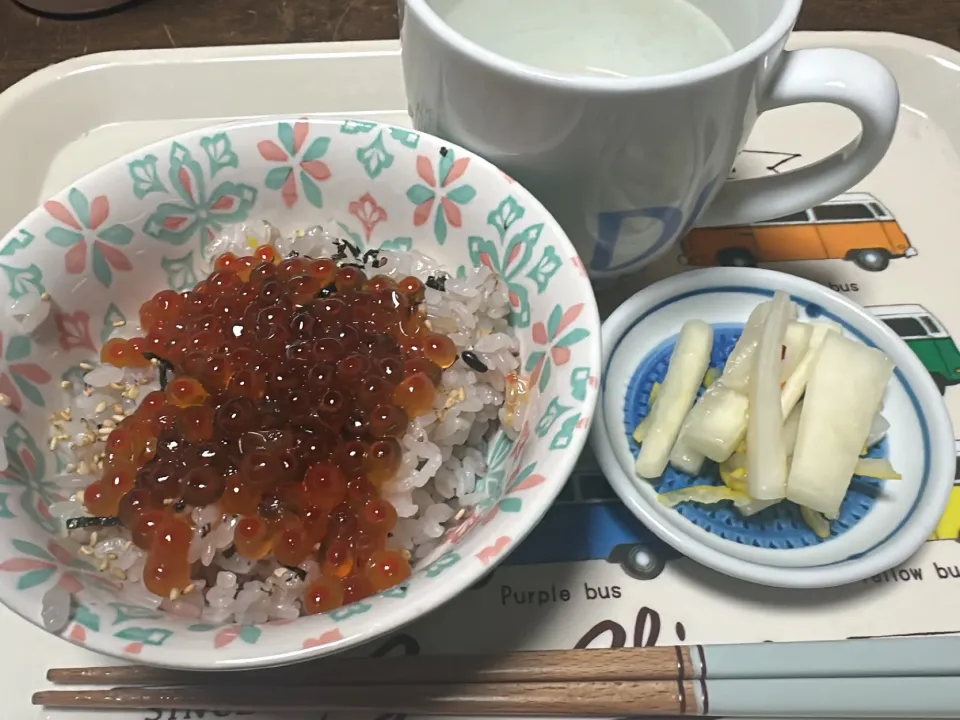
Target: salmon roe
(291, 383)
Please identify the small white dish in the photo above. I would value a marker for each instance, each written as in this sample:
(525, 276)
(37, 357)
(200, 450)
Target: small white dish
(881, 524)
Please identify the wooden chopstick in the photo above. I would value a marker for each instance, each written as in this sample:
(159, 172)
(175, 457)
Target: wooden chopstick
(889, 657)
(915, 677)
(573, 699)
(633, 664)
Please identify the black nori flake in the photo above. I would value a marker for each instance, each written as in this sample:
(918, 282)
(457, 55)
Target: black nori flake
(359, 266)
(327, 291)
(229, 552)
(473, 362)
(85, 522)
(165, 366)
(443, 152)
(180, 506)
(205, 530)
(437, 282)
(343, 246)
(299, 572)
(373, 257)
(293, 254)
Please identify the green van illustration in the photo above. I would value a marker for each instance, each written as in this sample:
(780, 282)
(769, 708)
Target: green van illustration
(927, 337)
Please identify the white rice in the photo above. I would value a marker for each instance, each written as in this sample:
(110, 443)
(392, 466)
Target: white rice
(443, 454)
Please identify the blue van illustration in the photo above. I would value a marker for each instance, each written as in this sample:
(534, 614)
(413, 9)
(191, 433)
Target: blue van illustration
(588, 522)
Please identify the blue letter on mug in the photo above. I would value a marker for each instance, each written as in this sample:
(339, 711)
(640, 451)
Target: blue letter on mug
(673, 227)
(608, 233)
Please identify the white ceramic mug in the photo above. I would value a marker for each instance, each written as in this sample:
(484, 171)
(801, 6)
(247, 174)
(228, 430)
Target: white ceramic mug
(629, 165)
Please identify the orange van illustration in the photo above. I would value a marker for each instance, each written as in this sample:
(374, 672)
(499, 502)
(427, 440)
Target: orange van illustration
(853, 226)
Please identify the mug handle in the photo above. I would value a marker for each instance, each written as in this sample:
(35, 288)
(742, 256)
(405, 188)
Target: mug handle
(847, 78)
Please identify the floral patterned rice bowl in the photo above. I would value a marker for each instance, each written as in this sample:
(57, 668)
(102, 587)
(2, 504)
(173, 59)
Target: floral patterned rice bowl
(96, 251)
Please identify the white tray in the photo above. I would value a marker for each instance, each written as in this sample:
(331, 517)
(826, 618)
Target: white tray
(67, 119)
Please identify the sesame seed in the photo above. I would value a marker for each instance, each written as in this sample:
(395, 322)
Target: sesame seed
(116, 386)
(103, 565)
(100, 407)
(460, 513)
(93, 538)
(5, 400)
(66, 414)
(66, 385)
(117, 409)
(86, 550)
(118, 573)
(108, 424)
(119, 418)
(189, 589)
(143, 381)
(45, 296)
(53, 443)
(455, 396)
(119, 323)
(154, 361)
(86, 366)
(70, 468)
(174, 594)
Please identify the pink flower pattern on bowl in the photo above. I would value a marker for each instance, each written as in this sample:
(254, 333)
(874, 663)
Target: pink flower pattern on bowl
(425, 197)
(301, 163)
(368, 212)
(76, 224)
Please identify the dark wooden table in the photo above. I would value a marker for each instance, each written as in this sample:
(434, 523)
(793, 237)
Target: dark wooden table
(28, 43)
